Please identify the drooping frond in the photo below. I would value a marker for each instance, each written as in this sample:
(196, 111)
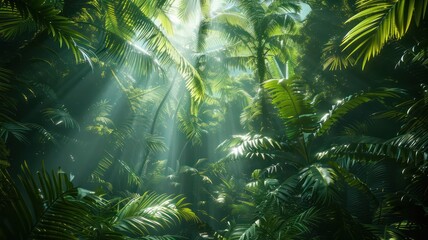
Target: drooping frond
(60, 116)
(155, 143)
(297, 112)
(317, 181)
(130, 174)
(15, 129)
(278, 226)
(249, 146)
(100, 121)
(353, 181)
(192, 126)
(7, 103)
(98, 175)
(13, 24)
(350, 103)
(138, 29)
(142, 214)
(188, 9)
(253, 10)
(287, 190)
(375, 152)
(380, 22)
(334, 57)
(54, 208)
(295, 226)
(46, 17)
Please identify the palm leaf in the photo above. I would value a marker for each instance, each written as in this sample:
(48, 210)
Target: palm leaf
(13, 25)
(375, 152)
(334, 57)
(60, 116)
(47, 18)
(15, 129)
(294, 109)
(192, 126)
(353, 181)
(350, 103)
(317, 181)
(250, 146)
(145, 213)
(140, 29)
(54, 209)
(380, 22)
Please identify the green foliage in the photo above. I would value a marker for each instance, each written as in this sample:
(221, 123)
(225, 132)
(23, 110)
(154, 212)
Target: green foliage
(38, 16)
(296, 112)
(57, 209)
(288, 172)
(249, 146)
(381, 22)
(350, 103)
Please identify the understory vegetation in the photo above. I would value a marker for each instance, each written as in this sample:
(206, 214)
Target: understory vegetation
(200, 119)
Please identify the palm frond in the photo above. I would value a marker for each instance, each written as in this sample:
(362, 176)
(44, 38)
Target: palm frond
(299, 224)
(350, 103)
(47, 17)
(375, 152)
(287, 190)
(381, 21)
(140, 28)
(15, 129)
(243, 232)
(13, 24)
(353, 181)
(98, 175)
(155, 143)
(190, 9)
(249, 146)
(253, 10)
(132, 178)
(294, 109)
(164, 237)
(8, 103)
(334, 57)
(150, 211)
(53, 210)
(317, 181)
(60, 116)
(192, 126)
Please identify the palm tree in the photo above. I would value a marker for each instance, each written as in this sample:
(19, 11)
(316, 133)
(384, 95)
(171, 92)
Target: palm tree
(131, 33)
(257, 37)
(256, 33)
(309, 180)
